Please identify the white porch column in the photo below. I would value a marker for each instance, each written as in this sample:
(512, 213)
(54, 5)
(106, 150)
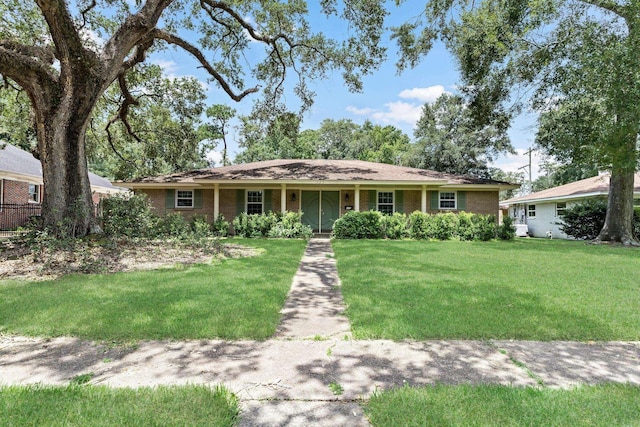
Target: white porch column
(356, 198)
(283, 198)
(216, 201)
(424, 199)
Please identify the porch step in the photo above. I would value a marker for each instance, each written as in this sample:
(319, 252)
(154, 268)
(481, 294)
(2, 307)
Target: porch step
(322, 235)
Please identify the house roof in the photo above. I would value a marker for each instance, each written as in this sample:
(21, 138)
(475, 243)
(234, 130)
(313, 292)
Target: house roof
(590, 187)
(313, 172)
(21, 165)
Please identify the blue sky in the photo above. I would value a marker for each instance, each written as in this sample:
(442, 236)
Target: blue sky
(387, 98)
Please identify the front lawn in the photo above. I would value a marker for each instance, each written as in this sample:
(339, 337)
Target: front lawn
(74, 405)
(496, 405)
(233, 299)
(527, 289)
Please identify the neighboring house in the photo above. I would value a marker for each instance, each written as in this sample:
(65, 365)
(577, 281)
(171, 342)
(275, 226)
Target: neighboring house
(22, 191)
(322, 189)
(542, 211)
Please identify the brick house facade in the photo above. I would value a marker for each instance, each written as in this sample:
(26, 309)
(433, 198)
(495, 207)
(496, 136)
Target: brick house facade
(22, 190)
(323, 190)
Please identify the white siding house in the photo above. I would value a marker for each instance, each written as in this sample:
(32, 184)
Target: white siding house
(542, 211)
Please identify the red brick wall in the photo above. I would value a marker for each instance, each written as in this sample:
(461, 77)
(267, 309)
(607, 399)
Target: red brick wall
(483, 202)
(17, 192)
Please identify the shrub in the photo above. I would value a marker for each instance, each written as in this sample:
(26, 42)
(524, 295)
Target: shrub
(271, 224)
(507, 231)
(128, 215)
(445, 226)
(358, 225)
(394, 226)
(420, 226)
(174, 225)
(466, 227)
(583, 221)
(200, 227)
(485, 226)
(290, 226)
(220, 226)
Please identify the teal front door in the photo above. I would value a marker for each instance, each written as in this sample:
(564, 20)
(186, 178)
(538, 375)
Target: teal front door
(320, 209)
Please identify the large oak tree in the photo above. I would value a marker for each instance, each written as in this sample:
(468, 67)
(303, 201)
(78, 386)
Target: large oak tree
(65, 56)
(574, 61)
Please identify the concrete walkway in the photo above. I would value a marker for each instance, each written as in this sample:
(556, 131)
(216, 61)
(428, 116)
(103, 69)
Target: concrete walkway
(293, 381)
(314, 307)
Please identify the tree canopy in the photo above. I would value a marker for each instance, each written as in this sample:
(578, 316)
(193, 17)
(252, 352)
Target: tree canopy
(66, 56)
(574, 61)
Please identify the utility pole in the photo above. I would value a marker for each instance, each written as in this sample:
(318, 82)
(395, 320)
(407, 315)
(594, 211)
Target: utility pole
(528, 167)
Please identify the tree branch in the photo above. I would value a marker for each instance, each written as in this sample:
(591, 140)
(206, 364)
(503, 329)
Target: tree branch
(65, 36)
(18, 63)
(193, 50)
(609, 5)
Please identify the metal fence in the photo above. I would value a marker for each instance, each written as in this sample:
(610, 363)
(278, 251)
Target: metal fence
(13, 216)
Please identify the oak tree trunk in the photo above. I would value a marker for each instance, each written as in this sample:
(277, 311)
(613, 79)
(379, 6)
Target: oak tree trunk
(67, 208)
(618, 224)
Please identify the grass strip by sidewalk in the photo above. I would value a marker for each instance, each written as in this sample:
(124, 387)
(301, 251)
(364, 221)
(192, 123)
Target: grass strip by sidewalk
(496, 405)
(38, 405)
(232, 299)
(529, 289)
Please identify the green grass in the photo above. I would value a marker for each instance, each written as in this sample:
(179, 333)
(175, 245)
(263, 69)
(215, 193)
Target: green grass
(233, 299)
(495, 405)
(101, 406)
(527, 289)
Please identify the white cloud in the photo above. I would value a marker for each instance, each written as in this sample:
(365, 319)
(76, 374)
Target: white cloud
(401, 113)
(214, 158)
(169, 68)
(398, 112)
(424, 94)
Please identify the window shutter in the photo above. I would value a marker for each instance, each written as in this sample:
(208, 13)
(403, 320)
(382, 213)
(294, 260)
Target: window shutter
(434, 201)
(462, 200)
(197, 199)
(372, 203)
(239, 202)
(399, 200)
(170, 199)
(267, 202)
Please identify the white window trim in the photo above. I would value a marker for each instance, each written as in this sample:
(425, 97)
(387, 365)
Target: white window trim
(565, 208)
(393, 200)
(246, 200)
(38, 196)
(193, 199)
(534, 211)
(455, 201)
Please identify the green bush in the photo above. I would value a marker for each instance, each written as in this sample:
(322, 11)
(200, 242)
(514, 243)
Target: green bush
(485, 227)
(394, 226)
(358, 225)
(173, 225)
(583, 221)
(507, 231)
(220, 226)
(466, 226)
(128, 215)
(420, 226)
(290, 226)
(445, 226)
(271, 224)
(200, 227)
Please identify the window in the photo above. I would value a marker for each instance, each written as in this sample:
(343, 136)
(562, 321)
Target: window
(34, 193)
(184, 199)
(531, 211)
(254, 202)
(447, 200)
(561, 208)
(385, 202)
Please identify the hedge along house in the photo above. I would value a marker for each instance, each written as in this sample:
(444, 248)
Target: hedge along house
(322, 189)
(542, 211)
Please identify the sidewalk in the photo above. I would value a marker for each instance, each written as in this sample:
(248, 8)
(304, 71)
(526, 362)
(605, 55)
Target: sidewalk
(296, 378)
